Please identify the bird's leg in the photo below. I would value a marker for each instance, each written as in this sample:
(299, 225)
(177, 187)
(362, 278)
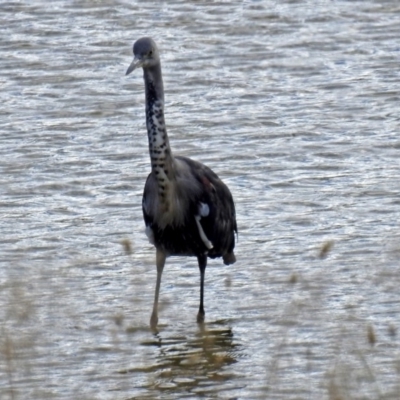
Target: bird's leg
(160, 262)
(202, 266)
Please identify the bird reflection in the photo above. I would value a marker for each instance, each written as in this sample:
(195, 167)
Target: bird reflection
(195, 363)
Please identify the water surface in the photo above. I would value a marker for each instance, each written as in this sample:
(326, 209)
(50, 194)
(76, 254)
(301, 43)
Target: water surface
(295, 105)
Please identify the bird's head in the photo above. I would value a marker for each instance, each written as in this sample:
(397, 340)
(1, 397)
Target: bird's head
(145, 54)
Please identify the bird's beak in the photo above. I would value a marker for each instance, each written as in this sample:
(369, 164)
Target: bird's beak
(136, 63)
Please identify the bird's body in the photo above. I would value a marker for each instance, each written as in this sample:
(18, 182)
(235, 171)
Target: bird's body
(187, 209)
(172, 211)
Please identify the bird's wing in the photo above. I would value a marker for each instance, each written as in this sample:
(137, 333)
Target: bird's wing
(148, 205)
(212, 205)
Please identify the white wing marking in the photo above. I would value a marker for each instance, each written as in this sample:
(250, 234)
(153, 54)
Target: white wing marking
(203, 236)
(204, 209)
(150, 234)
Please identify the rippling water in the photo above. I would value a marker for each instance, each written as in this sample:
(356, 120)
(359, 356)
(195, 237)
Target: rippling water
(295, 105)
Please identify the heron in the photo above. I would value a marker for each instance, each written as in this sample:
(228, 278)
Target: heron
(187, 209)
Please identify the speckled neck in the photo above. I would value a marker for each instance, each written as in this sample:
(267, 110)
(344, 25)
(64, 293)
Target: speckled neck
(159, 149)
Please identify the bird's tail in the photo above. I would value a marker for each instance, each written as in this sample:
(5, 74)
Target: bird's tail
(229, 258)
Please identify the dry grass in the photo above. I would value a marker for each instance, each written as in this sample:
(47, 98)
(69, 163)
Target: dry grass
(352, 367)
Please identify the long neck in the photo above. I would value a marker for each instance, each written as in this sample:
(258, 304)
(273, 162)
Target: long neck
(160, 152)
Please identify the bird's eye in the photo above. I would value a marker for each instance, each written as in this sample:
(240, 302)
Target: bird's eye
(150, 53)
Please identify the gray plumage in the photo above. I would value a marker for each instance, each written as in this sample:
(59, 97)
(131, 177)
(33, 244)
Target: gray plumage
(187, 209)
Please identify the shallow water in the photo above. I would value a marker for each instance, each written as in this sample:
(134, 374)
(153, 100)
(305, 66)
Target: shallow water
(295, 105)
